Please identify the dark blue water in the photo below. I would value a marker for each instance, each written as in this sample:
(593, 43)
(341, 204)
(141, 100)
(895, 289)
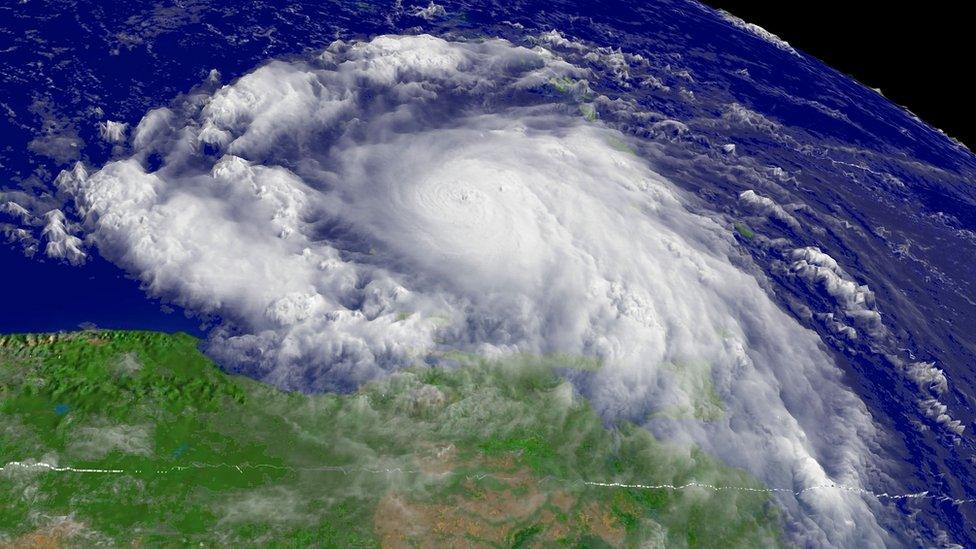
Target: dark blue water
(48, 297)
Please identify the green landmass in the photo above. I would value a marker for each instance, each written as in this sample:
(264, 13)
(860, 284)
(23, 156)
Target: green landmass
(137, 439)
(589, 112)
(744, 230)
(577, 92)
(563, 84)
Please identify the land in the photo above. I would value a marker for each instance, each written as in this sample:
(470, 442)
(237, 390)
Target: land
(137, 439)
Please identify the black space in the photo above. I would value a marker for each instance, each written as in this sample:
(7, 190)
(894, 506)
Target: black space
(919, 53)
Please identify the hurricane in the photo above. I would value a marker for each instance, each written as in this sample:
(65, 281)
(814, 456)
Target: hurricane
(391, 200)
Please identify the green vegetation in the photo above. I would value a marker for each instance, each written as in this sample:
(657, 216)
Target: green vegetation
(578, 93)
(744, 230)
(486, 452)
(589, 112)
(564, 84)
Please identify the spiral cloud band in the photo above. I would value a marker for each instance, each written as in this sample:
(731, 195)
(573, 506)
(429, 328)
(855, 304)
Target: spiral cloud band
(389, 200)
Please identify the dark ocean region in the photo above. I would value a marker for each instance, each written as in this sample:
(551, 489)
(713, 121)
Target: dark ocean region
(48, 296)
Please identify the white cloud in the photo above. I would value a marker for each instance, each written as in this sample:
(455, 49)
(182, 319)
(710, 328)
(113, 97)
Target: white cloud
(614, 61)
(766, 206)
(93, 442)
(431, 12)
(928, 377)
(738, 115)
(385, 202)
(856, 303)
(759, 32)
(61, 244)
(938, 412)
(16, 211)
(112, 131)
(152, 127)
(855, 300)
